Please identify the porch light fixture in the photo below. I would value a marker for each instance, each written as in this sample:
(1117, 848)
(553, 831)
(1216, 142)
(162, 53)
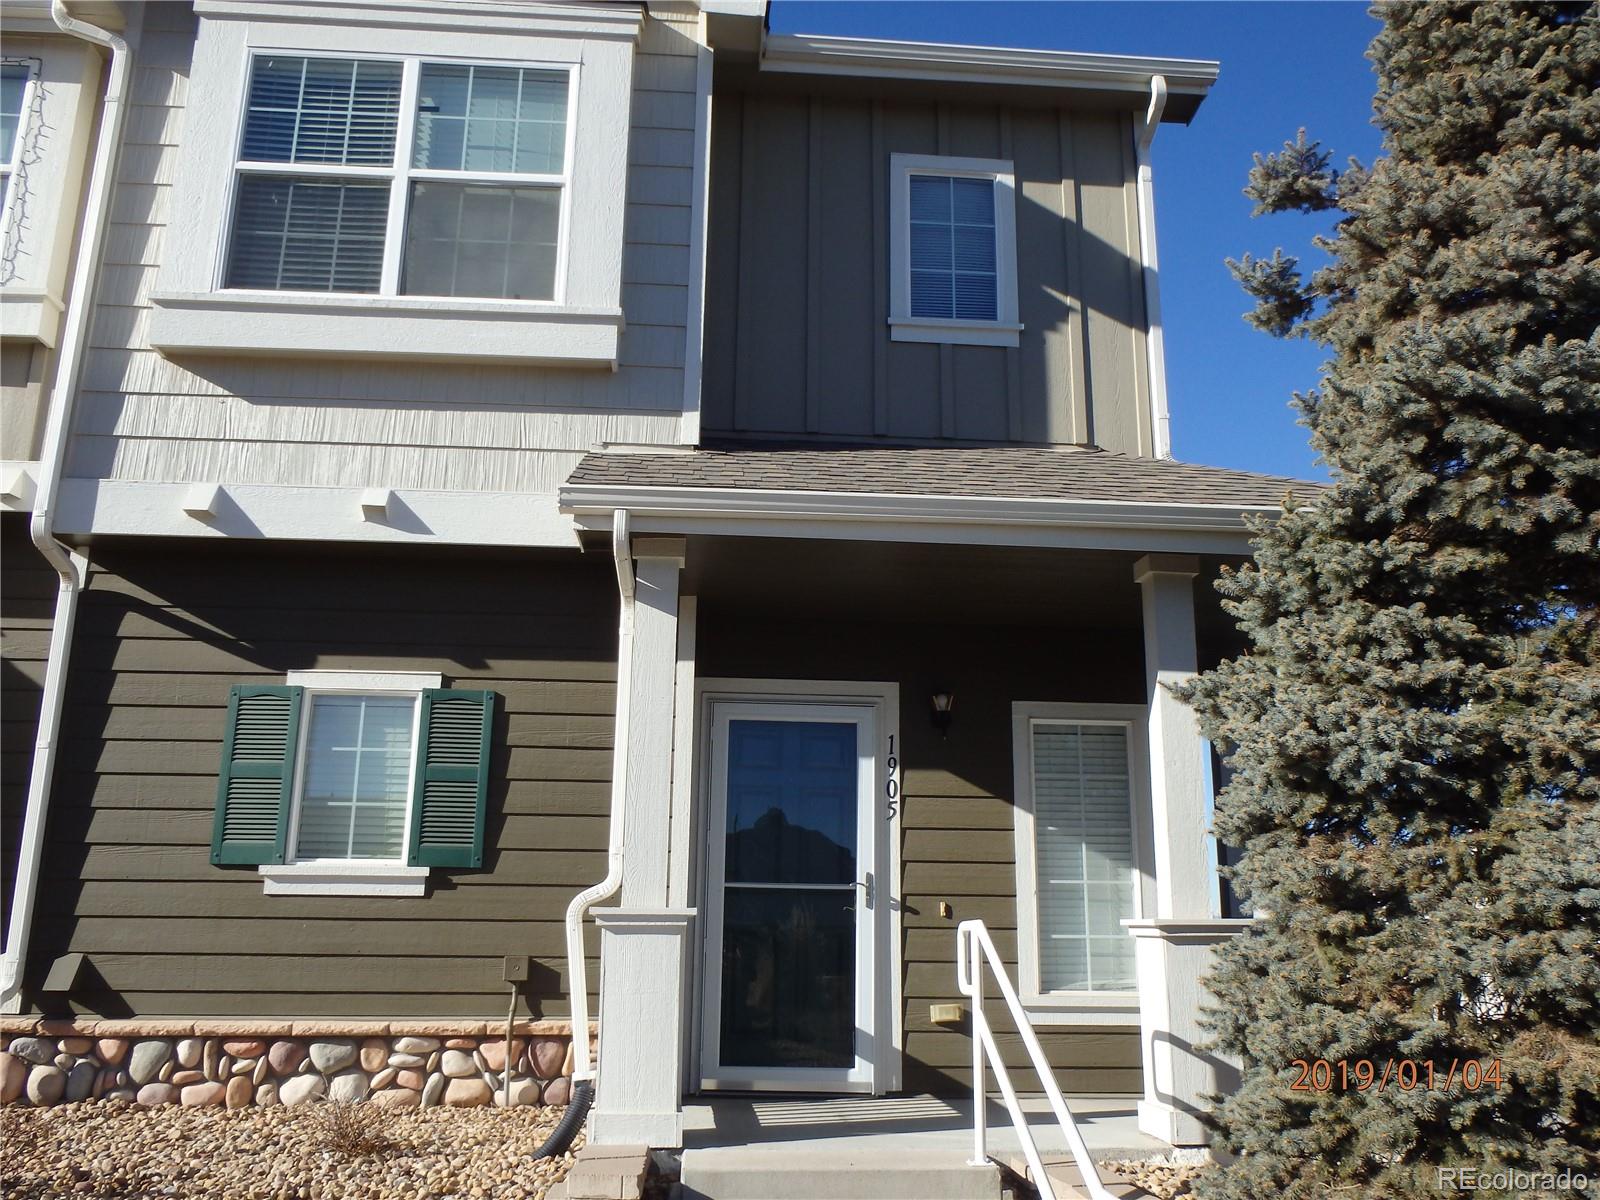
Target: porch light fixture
(944, 704)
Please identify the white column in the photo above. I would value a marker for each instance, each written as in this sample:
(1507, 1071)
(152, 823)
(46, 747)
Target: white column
(1174, 948)
(643, 942)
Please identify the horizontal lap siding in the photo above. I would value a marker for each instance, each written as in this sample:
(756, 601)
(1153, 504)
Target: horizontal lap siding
(27, 609)
(165, 630)
(457, 426)
(957, 819)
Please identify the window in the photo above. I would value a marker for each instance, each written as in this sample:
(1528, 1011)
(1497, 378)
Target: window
(1079, 773)
(16, 84)
(400, 177)
(353, 783)
(953, 251)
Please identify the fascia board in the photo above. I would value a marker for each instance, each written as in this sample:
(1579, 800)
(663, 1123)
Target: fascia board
(579, 20)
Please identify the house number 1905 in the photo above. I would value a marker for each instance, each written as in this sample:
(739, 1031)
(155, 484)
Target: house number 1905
(892, 788)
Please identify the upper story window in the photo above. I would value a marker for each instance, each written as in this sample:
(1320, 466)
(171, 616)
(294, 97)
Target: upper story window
(953, 251)
(15, 79)
(400, 177)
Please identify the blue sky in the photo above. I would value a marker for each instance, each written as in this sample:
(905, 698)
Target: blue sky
(1284, 65)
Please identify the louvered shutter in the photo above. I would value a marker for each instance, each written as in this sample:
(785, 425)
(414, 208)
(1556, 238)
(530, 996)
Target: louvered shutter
(257, 779)
(452, 785)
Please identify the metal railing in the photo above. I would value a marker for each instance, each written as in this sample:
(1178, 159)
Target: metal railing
(973, 948)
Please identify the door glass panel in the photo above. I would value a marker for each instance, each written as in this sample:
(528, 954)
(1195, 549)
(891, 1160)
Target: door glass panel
(788, 977)
(791, 802)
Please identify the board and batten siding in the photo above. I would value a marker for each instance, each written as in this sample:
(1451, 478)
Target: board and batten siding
(957, 841)
(166, 628)
(797, 341)
(397, 424)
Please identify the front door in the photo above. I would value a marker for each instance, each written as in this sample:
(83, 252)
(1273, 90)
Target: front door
(788, 1000)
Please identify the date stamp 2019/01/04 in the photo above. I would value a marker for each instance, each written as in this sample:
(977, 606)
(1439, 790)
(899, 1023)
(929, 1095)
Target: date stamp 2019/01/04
(1406, 1074)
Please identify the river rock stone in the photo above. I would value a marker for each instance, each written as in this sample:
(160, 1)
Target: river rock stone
(111, 1050)
(244, 1049)
(202, 1095)
(461, 1043)
(243, 1066)
(13, 1077)
(212, 1060)
(168, 1070)
(147, 1059)
(407, 1060)
(152, 1094)
(64, 1061)
(408, 1078)
(374, 1053)
(546, 1055)
(267, 1095)
(416, 1045)
(467, 1093)
(433, 1090)
(433, 1061)
(523, 1091)
(104, 1081)
(397, 1098)
(285, 1057)
(330, 1057)
(238, 1093)
(558, 1091)
(302, 1089)
(190, 1052)
(34, 1050)
(347, 1087)
(76, 1046)
(185, 1078)
(45, 1085)
(80, 1081)
(494, 1054)
(383, 1078)
(457, 1064)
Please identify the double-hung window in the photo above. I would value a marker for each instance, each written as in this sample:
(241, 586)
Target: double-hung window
(16, 86)
(953, 251)
(1079, 778)
(352, 783)
(400, 177)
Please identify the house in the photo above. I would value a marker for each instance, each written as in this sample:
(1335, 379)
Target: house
(485, 450)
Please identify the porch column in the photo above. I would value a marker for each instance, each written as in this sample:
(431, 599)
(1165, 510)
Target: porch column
(643, 942)
(1173, 948)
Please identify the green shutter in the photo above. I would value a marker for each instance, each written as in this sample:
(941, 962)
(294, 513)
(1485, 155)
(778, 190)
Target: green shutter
(258, 749)
(452, 786)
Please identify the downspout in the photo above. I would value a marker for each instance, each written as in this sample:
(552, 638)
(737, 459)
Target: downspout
(52, 457)
(583, 1071)
(1155, 339)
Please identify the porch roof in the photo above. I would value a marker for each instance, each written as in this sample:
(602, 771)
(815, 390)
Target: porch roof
(980, 472)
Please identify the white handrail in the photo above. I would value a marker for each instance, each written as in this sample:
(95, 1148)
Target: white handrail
(972, 940)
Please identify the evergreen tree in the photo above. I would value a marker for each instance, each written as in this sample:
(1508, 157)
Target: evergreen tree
(1414, 732)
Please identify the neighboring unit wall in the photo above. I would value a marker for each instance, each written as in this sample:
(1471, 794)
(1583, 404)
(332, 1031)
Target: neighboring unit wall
(354, 423)
(28, 589)
(957, 840)
(165, 628)
(797, 342)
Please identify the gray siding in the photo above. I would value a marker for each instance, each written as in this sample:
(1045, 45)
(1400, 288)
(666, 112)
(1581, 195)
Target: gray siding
(364, 422)
(957, 828)
(28, 588)
(166, 629)
(797, 291)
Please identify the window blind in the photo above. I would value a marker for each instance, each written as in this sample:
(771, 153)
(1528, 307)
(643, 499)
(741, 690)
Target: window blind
(1083, 832)
(952, 237)
(498, 119)
(357, 776)
(322, 110)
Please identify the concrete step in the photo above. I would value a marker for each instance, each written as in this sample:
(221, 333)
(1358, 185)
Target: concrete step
(1067, 1181)
(791, 1173)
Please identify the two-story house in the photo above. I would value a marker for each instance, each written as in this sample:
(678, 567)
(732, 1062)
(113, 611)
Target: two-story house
(499, 463)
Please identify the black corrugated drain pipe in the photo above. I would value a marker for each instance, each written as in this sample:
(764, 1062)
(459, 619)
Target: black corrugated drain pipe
(577, 1110)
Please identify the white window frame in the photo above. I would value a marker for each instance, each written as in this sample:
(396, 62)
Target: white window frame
(1006, 328)
(400, 174)
(9, 168)
(1090, 1008)
(347, 876)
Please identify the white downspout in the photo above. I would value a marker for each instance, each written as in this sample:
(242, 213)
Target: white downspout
(577, 967)
(52, 457)
(1155, 341)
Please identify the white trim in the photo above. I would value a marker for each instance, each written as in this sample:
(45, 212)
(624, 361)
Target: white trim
(1155, 336)
(365, 681)
(500, 16)
(1005, 329)
(8, 170)
(1073, 1008)
(880, 702)
(699, 210)
(356, 877)
(19, 483)
(821, 55)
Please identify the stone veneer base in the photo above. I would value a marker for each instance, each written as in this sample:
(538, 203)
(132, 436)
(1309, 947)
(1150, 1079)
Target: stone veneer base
(242, 1063)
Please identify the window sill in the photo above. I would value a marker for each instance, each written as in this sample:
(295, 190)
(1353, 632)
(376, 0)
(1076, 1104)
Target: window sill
(1086, 1008)
(345, 879)
(313, 325)
(31, 313)
(957, 333)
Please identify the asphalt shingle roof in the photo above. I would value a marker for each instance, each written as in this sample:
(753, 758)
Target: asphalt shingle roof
(998, 472)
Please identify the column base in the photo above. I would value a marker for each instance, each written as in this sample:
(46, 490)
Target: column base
(1159, 1119)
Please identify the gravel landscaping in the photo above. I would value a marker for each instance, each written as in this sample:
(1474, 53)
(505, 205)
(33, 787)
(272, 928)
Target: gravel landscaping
(1164, 1180)
(312, 1152)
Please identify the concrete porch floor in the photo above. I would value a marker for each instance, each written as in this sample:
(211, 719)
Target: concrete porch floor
(911, 1147)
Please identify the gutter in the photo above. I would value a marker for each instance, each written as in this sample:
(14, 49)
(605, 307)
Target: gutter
(1155, 345)
(577, 966)
(71, 567)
